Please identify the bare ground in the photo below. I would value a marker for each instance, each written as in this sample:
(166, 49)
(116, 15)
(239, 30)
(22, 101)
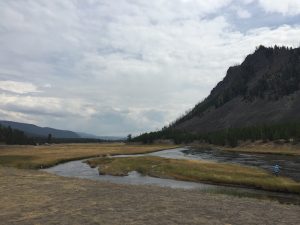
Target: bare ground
(34, 197)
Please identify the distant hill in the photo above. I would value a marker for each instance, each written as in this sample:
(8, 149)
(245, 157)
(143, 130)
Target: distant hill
(264, 89)
(36, 131)
(87, 135)
(113, 138)
(108, 138)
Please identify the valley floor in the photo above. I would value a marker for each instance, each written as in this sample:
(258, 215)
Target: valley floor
(34, 197)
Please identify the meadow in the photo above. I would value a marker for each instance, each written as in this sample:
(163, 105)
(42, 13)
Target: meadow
(36, 157)
(260, 147)
(257, 147)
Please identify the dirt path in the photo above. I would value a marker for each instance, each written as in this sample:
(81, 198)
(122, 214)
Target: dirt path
(33, 197)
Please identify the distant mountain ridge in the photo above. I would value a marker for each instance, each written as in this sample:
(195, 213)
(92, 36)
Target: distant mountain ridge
(32, 130)
(264, 89)
(108, 138)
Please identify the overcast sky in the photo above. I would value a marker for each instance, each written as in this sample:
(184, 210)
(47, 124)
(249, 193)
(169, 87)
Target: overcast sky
(113, 67)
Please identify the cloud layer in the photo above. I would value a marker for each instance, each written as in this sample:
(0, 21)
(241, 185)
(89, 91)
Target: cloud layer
(113, 68)
(287, 7)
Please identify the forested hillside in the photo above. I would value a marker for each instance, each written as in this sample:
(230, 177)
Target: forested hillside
(259, 99)
(263, 89)
(13, 136)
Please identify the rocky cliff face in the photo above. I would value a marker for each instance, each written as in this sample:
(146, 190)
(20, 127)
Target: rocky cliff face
(264, 89)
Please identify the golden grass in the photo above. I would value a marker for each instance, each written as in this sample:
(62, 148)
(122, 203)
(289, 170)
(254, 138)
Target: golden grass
(267, 148)
(259, 148)
(33, 157)
(197, 171)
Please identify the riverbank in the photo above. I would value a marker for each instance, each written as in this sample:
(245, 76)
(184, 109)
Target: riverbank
(196, 171)
(36, 157)
(259, 147)
(34, 197)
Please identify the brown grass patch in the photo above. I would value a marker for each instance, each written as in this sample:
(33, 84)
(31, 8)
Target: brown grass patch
(32, 157)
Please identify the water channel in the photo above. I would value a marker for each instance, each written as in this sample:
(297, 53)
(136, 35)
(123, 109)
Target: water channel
(290, 167)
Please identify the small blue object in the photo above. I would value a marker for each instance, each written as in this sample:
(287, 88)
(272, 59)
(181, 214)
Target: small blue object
(276, 169)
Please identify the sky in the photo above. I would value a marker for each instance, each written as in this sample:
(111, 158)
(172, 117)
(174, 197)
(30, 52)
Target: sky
(127, 66)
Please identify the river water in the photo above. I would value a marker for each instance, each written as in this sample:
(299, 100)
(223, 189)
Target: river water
(290, 167)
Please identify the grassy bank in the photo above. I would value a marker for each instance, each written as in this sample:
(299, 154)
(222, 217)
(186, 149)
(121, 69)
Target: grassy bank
(266, 148)
(197, 171)
(258, 148)
(34, 157)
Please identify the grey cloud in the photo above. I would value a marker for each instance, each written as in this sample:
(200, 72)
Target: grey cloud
(35, 111)
(155, 115)
(287, 7)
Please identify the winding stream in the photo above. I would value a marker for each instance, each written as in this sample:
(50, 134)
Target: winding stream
(290, 165)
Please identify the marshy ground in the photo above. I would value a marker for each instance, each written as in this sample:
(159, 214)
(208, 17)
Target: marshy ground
(260, 147)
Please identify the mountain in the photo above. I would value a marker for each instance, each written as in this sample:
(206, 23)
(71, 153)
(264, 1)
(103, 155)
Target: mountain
(107, 138)
(264, 89)
(87, 135)
(113, 138)
(36, 131)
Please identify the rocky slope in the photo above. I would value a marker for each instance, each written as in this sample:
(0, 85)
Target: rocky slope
(264, 89)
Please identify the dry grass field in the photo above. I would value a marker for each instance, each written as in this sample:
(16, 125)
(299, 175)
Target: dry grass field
(30, 197)
(267, 148)
(34, 157)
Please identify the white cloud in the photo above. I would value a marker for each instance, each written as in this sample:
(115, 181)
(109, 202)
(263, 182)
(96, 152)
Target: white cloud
(47, 85)
(286, 7)
(36, 105)
(242, 13)
(247, 1)
(17, 87)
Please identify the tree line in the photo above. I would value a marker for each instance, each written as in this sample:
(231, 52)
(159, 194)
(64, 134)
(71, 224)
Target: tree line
(12, 136)
(230, 137)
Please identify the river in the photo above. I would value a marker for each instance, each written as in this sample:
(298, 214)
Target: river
(290, 167)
